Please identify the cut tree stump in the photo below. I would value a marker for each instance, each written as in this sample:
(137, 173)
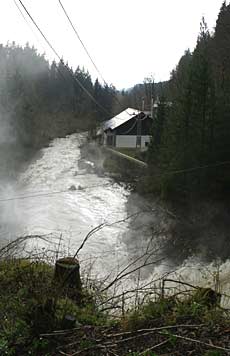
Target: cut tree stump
(67, 272)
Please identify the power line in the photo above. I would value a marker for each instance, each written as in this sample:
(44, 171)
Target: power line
(131, 128)
(38, 194)
(60, 59)
(88, 93)
(82, 43)
(74, 79)
(45, 194)
(135, 122)
(59, 71)
(198, 168)
(87, 52)
(23, 16)
(38, 28)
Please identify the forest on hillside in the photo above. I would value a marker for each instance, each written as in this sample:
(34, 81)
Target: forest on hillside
(190, 147)
(39, 101)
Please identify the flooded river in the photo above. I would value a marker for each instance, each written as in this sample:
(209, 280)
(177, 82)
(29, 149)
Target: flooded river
(62, 196)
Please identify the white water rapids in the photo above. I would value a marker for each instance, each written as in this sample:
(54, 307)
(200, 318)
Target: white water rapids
(71, 214)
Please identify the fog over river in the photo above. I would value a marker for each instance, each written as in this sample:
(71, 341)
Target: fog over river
(97, 199)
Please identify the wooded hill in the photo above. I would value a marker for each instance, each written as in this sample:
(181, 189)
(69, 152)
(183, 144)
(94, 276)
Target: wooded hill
(194, 131)
(39, 101)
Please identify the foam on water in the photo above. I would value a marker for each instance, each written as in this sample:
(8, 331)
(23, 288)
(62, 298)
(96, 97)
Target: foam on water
(73, 213)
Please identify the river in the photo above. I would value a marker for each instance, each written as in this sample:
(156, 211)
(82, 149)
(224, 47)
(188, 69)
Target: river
(48, 204)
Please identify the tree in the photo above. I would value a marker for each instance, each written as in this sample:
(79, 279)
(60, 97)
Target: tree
(39, 101)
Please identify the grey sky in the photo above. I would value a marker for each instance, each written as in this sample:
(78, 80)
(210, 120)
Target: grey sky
(128, 39)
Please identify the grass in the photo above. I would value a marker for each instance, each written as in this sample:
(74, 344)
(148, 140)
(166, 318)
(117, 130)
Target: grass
(32, 306)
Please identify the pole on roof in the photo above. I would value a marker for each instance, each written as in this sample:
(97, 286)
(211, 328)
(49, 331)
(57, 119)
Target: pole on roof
(143, 104)
(152, 108)
(138, 140)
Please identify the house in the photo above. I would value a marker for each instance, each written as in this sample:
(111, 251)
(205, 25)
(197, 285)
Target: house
(129, 129)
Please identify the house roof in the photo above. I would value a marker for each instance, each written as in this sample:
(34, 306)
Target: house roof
(120, 119)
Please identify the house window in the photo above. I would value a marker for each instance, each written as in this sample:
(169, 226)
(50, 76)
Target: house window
(146, 144)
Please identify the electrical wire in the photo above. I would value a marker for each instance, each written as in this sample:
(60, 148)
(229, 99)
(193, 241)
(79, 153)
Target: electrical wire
(89, 94)
(28, 24)
(38, 194)
(82, 43)
(224, 163)
(87, 52)
(60, 59)
(130, 129)
(18, 7)
(135, 122)
(74, 79)
(45, 194)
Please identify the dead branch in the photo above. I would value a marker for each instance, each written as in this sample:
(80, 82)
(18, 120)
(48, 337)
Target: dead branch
(151, 330)
(101, 226)
(143, 289)
(154, 347)
(5, 250)
(90, 233)
(98, 346)
(121, 276)
(197, 342)
(180, 282)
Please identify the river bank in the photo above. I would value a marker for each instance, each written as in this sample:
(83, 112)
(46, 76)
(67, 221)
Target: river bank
(34, 311)
(192, 234)
(125, 254)
(199, 225)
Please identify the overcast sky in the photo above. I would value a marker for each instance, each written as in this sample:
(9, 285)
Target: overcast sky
(128, 39)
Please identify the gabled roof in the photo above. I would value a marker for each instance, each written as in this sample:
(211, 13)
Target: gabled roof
(120, 119)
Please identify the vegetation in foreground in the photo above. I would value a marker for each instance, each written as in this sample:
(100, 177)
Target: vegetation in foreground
(35, 319)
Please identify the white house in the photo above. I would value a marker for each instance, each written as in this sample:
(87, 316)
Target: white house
(129, 129)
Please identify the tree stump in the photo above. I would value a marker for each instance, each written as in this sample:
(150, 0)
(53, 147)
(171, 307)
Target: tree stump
(67, 273)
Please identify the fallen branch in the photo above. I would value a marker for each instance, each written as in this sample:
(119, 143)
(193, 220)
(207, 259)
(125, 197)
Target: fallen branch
(197, 342)
(134, 337)
(99, 346)
(155, 329)
(154, 347)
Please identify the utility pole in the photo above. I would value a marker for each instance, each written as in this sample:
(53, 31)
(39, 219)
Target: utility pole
(139, 121)
(152, 98)
(138, 141)
(143, 104)
(152, 108)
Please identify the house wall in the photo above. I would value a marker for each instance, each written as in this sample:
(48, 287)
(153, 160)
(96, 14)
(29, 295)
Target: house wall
(126, 141)
(109, 139)
(145, 139)
(129, 141)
